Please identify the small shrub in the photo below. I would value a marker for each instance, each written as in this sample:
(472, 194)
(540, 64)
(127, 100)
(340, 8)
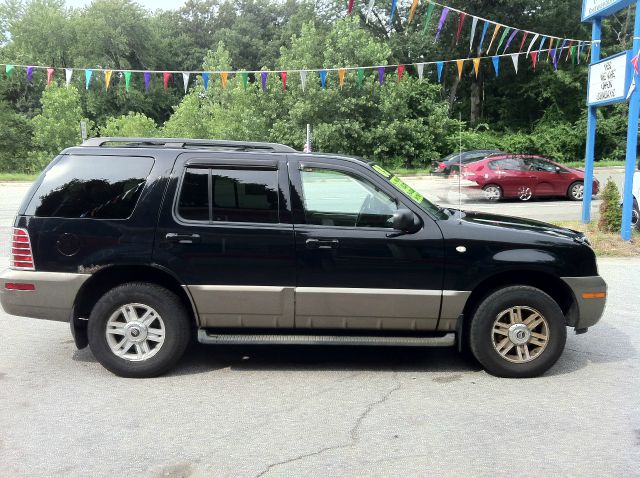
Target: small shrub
(610, 211)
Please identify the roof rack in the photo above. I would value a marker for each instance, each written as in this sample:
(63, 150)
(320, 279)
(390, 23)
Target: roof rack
(187, 143)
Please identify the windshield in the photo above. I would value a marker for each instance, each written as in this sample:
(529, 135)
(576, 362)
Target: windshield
(411, 193)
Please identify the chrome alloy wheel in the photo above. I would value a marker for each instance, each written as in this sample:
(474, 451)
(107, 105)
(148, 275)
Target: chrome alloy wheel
(492, 193)
(577, 191)
(524, 193)
(135, 332)
(520, 334)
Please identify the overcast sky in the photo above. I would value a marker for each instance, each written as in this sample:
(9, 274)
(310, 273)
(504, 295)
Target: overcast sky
(149, 4)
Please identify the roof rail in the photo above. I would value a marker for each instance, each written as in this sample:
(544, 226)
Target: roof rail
(188, 143)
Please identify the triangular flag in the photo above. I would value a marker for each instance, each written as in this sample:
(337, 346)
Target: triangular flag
(205, 80)
(350, 7)
(412, 11)
(185, 80)
(166, 76)
(554, 57)
(524, 39)
(245, 79)
(224, 77)
(263, 79)
(420, 67)
(29, 73)
(476, 65)
(474, 24)
(303, 79)
(380, 74)
(495, 34)
(8, 70)
(504, 35)
(440, 66)
(515, 57)
(323, 78)
(400, 72)
(443, 18)
(393, 11)
(496, 63)
(572, 52)
(634, 62)
(107, 78)
(127, 80)
(484, 34)
(283, 78)
(534, 59)
(50, 72)
(535, 38)
(341, 74)
(87, 78)
(370, 9)
(579, 51)
(427, 17)
(632, 88)
(147, 80)
(569, 47)
(544, 39)
(68, 73)
(561, 49)
(461, 18)
(360, 76)
(550, 48)
(511, 37)
(460, 64)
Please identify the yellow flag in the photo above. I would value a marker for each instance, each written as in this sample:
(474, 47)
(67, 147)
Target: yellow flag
(341, 74)
(107, 78)
(495, 34)
(460, 64)
(224, 76)
(550, 47)
(412, 12)
(476, 65)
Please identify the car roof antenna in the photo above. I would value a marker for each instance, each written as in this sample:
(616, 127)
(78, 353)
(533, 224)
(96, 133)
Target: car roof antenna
(460, 170)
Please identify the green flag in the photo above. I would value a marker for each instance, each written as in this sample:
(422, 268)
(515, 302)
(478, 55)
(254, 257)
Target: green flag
(504, 35)
(427, 17)
(127, 80)
(360, 76)
(9, 70)
(245, 79)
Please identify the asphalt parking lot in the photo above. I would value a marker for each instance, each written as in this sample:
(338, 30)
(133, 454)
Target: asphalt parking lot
(302, 411)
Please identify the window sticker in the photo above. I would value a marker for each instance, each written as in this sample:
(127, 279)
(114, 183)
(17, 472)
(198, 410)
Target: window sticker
(382, 171)
(408, 190)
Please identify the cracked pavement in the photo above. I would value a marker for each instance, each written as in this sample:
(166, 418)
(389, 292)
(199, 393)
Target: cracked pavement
(241, 411)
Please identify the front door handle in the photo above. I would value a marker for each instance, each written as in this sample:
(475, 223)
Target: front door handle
(182, 238)
(322, 243)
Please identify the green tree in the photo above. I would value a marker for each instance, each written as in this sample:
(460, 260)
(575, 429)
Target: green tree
(610, 210)
(131, 124)
(15, 140)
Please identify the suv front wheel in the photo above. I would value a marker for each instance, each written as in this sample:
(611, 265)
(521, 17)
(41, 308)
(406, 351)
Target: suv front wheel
(138, 330)
(518, 332)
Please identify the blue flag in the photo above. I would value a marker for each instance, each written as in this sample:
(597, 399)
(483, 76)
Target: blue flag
(323, 78)
(484, 34)
(87, 78)
(205, 80)
(440, 65)
(496, 63)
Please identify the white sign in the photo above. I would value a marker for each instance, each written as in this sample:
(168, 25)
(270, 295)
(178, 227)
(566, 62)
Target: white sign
(602, 8)
(83, 130)
(608, 81)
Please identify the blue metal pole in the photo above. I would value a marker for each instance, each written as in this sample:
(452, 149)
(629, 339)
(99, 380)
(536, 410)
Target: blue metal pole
(632, 142)
(591, 131)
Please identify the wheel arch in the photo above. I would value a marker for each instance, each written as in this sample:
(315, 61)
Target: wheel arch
(109, 277)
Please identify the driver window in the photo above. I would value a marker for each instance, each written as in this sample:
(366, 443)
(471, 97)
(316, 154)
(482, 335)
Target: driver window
(337, 198)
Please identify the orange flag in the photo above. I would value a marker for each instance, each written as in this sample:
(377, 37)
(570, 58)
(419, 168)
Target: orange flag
(412, 12)
(476, 65)
(495, 34)
(224, 76)
(341, 74)
(460, 64)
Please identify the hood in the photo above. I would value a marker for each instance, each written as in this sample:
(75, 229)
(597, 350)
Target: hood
(518, 223)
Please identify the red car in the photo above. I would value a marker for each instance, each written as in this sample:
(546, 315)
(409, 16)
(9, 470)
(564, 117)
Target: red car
(526, 176)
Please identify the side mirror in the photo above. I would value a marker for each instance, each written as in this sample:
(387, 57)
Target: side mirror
(404, 220)
(558, 169)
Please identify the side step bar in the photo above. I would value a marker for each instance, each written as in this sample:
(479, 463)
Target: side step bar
(204, 337)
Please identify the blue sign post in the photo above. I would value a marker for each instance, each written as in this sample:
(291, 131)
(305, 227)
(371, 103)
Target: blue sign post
(608, 85)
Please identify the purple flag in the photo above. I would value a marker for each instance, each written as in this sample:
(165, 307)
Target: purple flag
(555, 58)
(263, 77)
(443, 18)
(29, 73)
(147, 80)
(511, 37)
(380, 74)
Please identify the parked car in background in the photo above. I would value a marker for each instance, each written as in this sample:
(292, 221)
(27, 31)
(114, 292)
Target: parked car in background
(451, 164)
(526, 176)
(635, 215)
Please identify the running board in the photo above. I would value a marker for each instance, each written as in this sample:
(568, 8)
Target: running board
(447, 340)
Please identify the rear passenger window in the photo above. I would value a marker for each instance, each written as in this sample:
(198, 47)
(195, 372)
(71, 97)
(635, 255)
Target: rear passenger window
(98, 187)
(230, 195)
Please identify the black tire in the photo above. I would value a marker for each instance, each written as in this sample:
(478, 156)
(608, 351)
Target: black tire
(635, 215)
(176, 322)
(499, 194)
(576, 191)
(482, 326)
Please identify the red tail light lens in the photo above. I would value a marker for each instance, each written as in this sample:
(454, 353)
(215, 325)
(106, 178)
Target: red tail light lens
(21, 253)
(441, 166)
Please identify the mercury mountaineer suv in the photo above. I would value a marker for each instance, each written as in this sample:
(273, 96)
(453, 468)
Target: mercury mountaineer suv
(142, 243)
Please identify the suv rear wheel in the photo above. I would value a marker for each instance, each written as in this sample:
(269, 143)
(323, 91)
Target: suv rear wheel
(518, 332)
(138, 330)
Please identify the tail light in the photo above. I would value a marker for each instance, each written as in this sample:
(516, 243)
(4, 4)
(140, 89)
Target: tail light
(21, 253)
(441, 166)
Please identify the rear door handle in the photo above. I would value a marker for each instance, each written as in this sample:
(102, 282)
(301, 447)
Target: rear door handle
(322, 243)
(182, 238)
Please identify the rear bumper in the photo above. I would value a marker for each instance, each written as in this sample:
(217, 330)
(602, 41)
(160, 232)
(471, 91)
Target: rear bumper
(52, 298)
(590, 309)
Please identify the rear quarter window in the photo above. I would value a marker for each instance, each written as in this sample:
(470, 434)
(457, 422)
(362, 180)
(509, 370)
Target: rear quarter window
(98, 187)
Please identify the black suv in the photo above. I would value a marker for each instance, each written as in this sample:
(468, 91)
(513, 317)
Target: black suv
(141, 243)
